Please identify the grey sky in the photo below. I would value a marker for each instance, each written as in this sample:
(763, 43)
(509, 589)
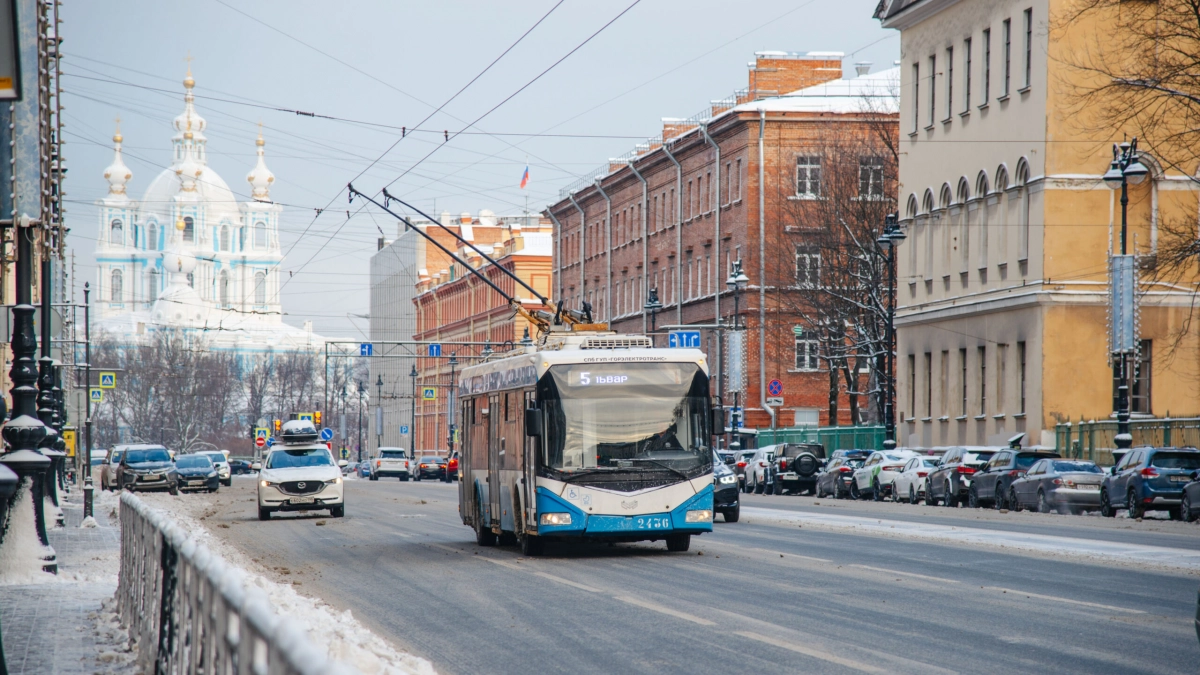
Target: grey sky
(412, 57)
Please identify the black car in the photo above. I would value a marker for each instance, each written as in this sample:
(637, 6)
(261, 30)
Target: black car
(147, 468)
(725, 492)
(989, 486)
(796, 467)
(197, 472)
(431, 466)
(835, 479)
(951, 481)
(1189, 508)
(1149, 479)
(238, 467)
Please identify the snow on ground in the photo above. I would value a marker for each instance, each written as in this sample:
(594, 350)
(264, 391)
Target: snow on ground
(21, 553)
(338, 633)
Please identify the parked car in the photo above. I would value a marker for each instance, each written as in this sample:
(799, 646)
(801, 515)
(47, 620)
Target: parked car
(1149, 479)
(147, 467)
(758, 470)
(990, 485)
(431, 466)
(221, 461)
(391, 463)
(1189, 506)
(834, 480)
(742, 460)
(300, 474)
(1065, 485)
(108, 470)
(452, 467)
(364, 470)
(725, 491)
(950, 482)
(909, 484)
(796, 467)
(727, 457)
(240, 467)
(875, 477)
(197, 472)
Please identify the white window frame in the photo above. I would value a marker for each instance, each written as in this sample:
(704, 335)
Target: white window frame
(806, 167)
(807, 354)
(808, 266)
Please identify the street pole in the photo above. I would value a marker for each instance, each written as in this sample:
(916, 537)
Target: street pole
(45, 399)
(378, 414)
(87, 428)
(888, 241)
(653, 305)
(450, 426)
(361, 389)
(412, 429)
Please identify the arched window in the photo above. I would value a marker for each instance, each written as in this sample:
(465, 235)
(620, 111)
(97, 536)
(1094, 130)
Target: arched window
(224, 237)
(260, 235)
(260, 288)
(152, 282)
(116, 233)
(1023, 211)
(964, 225)
(981, 192)
(224, 290)
(117, 286)
(152, 237)
(189, 229)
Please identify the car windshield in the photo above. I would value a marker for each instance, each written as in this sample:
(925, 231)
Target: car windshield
(193, 462)
(287, 459)
(929, 463)
(896, 458)
(1077, 467)
(430, 459)
(642, 417)
(1176, 460)
(216, 457)
(1024, 461)
(116, 457)
(392, 454)
(148, 455)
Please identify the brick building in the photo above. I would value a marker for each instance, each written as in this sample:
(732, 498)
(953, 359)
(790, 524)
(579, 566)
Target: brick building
(455, 306)
(730, 183)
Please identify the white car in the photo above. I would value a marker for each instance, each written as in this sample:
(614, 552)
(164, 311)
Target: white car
(757, 468)
(910, 483)
(390, 463)
(874, 478)
(221, 462)
(300, 474)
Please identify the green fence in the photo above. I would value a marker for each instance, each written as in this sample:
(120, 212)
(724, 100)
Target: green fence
(833, 438)
(1094, 439)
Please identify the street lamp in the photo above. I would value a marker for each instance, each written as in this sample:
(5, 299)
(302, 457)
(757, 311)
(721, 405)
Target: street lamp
(1126, 168)
(888, 240)
(487, 350)
(378, 412)
(412, 429)
(653, 305)
(453, 363)
(362, 389)
(736, 282)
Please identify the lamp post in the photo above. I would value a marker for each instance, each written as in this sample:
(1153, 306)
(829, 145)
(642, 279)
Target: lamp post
(1126, 168)
(888, 241)
(453, 362)
(412, 429)
(362, 389)
(653, 305)
(87, 428)
(737, 282)
(378, 411)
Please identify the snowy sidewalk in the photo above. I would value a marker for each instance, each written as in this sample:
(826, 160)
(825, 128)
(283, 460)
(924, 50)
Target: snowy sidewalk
(53, 626)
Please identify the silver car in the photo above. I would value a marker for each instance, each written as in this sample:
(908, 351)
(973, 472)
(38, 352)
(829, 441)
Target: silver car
(219, 460)
(108, 470)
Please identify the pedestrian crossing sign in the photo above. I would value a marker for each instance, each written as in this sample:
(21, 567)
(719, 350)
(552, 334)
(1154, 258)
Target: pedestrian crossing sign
(429, 393)
(108, 380)
(305, 416)
(262, 432)
(96, 394)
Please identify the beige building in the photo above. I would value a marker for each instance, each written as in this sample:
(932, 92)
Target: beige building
(1002, 281)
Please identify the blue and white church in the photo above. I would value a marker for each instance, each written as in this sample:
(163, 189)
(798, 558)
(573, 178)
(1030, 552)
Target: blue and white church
(190, 255)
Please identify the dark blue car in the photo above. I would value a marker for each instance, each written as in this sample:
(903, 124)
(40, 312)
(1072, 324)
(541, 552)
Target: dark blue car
(197, 472)
(1149, 479)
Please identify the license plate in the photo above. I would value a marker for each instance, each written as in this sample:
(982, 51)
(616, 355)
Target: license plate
(1086, 486)
(302, 500)
(651, 522)
(194, 483)
(152, 476)
(1181, 479)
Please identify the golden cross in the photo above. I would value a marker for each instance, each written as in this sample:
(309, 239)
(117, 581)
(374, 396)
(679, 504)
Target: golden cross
(188, 58)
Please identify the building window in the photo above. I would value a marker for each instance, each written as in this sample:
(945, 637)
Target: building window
(928, 384)
(1139, 380)
(967, 75)
(949, 82)
(916, 111)
(1021, 375)
(224, 289)
(983, 380)
(943, 383)
(224, 237)
(189, 229)
(116, 233)
(152, 236)
(117, 286)
(242, 238)
(987, 66)
(806, 353)
(870, 178)
(962, 362)
(152, 282)
(737, 181)
(1007, 35)
(191, 278)
(260, 288)
(808, 267)
(912, 384)
(260, 235)
(808, 176)
(1028, 47)
(932, 89)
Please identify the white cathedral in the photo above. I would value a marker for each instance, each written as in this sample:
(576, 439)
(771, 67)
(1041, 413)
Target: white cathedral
(189, 255)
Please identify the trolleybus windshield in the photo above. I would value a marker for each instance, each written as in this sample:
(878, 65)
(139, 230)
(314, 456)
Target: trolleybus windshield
(643, 417)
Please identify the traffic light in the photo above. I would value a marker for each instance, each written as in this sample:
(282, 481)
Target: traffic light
(251, 432)
(278, 424)
(317, 419)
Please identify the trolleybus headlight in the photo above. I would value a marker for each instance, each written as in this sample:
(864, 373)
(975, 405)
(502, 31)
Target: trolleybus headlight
(728, 480)
(699, 516)
(561, 518)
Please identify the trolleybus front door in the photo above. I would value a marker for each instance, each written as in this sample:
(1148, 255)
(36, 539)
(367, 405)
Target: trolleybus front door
(529, 473)
(495, 416)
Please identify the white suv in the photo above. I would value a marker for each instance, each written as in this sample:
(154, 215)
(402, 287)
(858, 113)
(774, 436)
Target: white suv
(221, 463)
(390, 462)
(300, 474)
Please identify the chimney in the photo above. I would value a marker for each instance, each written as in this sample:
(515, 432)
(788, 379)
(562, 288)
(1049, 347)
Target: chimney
(779, 73)
(380, 244)
(862, 68)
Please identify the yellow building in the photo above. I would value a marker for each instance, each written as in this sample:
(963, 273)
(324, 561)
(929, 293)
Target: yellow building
(1003, 279)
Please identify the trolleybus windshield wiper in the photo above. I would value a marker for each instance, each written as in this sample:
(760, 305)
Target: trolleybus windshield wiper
(664, 465)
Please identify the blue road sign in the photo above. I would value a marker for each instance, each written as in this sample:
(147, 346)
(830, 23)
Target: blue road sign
(270, 441)
(435, 350)
(685, 338)
(366, 349)
(403, 428)
(775, 388)
(327, 434)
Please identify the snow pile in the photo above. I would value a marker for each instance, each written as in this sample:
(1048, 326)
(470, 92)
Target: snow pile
(116, 652)
(52, 514)
(337, 633)
(21, 553)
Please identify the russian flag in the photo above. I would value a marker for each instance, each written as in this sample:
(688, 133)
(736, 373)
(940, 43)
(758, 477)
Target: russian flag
(525, 177)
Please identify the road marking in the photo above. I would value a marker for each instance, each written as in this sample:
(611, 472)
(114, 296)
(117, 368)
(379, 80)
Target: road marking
(545, 575)
(1067, 600)
(809, 651)
(907, 574)
(654, 607)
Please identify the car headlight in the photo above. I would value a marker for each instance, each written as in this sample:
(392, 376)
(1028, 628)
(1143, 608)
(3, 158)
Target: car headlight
(699, 516)
(556, 519)
(266, 483)
(727, 480)
(335, 481)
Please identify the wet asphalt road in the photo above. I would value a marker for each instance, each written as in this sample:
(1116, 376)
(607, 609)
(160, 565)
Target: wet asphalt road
(757, 596)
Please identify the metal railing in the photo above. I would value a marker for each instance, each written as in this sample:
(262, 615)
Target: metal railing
(190, 612)
(1094, 439)
(832, 438)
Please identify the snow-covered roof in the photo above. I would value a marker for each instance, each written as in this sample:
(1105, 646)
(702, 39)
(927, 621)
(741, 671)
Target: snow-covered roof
(874, 92)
